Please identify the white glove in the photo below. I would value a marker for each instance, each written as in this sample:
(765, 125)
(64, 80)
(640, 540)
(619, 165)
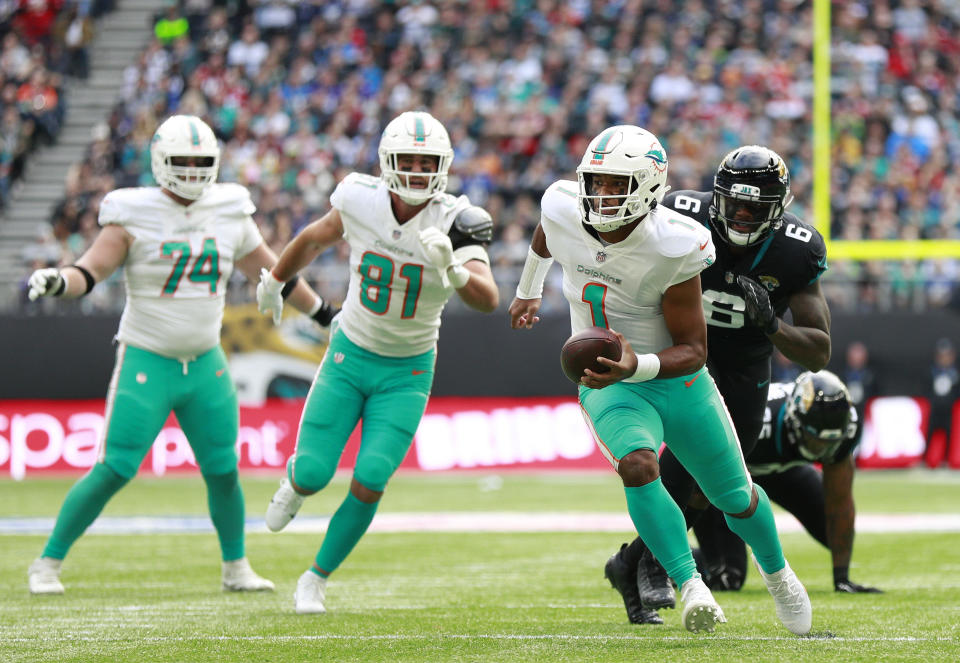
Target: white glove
(269, 297)
(45, 283)
(439, 252)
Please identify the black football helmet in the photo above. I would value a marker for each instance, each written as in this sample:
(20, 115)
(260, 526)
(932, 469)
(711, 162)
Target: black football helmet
(751, 191)
(817, 415)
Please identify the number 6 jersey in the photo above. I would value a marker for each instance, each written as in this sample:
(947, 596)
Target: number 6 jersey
(784, 263)
(177, 268)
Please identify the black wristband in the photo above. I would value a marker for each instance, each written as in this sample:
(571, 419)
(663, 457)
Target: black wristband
(324, 314)
(88, 277)
(841, 574)
(289, 286)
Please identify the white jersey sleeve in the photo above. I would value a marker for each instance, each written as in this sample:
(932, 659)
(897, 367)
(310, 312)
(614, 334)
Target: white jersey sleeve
(620, 286)
(178, 265)
(395, 297)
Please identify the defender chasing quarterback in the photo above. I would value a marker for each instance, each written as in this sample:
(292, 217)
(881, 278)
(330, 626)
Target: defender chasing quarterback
(662, 394)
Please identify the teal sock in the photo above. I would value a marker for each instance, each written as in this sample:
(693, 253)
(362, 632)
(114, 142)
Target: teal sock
(225, 501)
(344, 531)
(82, 505)
(660, 524)
(759, 531)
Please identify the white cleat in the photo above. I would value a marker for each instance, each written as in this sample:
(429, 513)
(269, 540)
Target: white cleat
(790, 597)
(239, 577)
(44, 576)
(284, 506)
(701, 612)
(310, 594)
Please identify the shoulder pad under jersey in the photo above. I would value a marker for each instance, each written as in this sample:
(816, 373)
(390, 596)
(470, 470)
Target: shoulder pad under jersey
(476, 223)
(559, 202)
(229, 199)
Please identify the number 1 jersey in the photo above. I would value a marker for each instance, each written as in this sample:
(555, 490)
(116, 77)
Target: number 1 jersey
(621, 285)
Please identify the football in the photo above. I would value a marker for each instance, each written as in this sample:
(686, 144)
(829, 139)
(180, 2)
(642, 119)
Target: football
(582, 349)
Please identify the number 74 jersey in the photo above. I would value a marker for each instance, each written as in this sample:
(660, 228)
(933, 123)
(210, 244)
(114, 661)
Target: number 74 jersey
(178, 265)
(786, 262)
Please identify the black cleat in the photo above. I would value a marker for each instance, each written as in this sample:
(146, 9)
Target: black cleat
(624, 581)
(653, 585)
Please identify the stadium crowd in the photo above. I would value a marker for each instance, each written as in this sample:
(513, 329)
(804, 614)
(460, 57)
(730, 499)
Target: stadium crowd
(299, 92)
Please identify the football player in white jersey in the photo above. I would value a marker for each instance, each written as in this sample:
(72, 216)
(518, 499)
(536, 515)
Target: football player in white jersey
(411, 247)
(178, 244)
(634, 266)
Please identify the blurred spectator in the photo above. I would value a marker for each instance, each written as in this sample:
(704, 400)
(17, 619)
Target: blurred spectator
(35, 20)
(171, 24)
(248, 53)
(857, 374)
(39, 101)
(74, 32)
(943, 394)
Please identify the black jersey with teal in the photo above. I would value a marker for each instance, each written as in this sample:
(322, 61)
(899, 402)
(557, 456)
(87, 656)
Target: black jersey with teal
(776, 450)
(785, 262)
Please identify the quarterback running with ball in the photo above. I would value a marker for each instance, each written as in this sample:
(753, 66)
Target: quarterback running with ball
(633, 266)
(411, 247)
(178, 244)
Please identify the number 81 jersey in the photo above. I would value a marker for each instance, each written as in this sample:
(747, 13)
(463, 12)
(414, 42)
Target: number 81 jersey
(786, 262)
(178, 265)
(396, 296)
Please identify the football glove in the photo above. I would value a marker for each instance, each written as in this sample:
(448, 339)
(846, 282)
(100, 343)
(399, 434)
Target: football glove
(439, 252)
(269, 295)
(758, 306)
(46, 282)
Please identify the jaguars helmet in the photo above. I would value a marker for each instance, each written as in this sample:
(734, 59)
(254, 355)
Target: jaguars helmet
(179, 138)
(755, 179)
(415, 132)
(631, 152)
(817, 415)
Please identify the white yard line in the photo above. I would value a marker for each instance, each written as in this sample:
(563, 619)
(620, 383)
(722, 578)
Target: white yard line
(468, 636)
(506, 521)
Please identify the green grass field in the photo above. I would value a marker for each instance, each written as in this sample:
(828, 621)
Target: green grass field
(431, 596)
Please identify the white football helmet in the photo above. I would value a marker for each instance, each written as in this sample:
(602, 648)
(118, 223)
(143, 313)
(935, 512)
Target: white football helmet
(415, 132)
(629, 151)
(184, 136)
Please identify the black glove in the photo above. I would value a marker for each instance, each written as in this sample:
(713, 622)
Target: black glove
(759, 310)
(325, 314)
(842, 583)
